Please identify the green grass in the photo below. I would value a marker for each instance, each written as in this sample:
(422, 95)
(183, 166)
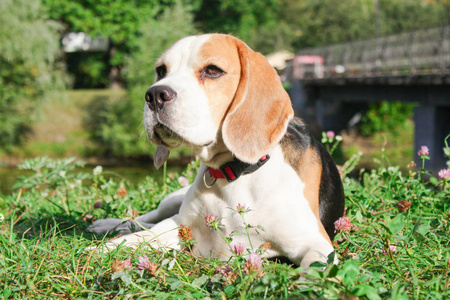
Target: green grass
(43, 237)
(58, 130)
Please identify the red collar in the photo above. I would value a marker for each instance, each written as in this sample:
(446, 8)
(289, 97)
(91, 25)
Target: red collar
(232, 170)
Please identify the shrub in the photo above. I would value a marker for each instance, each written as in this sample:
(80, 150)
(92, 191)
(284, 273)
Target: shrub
(29, 48)
(89, 69)
(114, 124)
(386, 116)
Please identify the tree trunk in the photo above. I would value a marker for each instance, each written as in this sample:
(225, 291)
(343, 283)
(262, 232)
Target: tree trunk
(115, 78)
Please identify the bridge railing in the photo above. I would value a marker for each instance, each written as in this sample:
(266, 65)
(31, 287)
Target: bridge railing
(425, 51)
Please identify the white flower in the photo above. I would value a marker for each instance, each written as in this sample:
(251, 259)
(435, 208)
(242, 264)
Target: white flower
(62, 174)
(2, 217)
(97, 170)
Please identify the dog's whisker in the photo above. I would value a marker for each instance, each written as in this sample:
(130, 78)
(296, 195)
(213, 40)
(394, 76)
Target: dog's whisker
(142, 134)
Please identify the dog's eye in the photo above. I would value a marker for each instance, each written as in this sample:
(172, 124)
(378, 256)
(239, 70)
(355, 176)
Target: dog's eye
(161, 71)
(211, 71)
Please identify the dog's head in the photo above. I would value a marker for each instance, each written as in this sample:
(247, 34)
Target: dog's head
(212, 92)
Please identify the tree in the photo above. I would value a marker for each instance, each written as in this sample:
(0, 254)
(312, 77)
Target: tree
(399, 15)
(255, 22)
(118, 20)
(325, 22)
(29, 47)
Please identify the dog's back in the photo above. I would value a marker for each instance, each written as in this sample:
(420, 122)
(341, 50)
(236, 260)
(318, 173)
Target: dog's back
(316, 167)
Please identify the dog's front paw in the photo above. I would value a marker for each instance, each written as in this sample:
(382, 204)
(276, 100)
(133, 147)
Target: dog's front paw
(111, 225)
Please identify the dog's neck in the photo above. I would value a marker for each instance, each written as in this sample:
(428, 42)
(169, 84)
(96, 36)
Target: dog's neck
(217, 154)
(214, 155)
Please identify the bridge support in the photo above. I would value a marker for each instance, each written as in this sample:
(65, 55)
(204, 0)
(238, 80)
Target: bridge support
(432, 125)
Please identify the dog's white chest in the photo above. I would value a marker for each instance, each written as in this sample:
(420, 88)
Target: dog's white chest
(278, 213)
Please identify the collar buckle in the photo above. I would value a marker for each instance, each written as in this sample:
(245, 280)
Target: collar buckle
(228, 172)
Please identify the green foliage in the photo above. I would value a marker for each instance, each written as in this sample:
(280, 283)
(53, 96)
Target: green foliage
(350, 164)
(28, 72)
(258, 23)
(397, 16)
(386, 116)
(446, 150)
(155, 36)
(90, 70)
(397, 246)
(331, 141)
(117, 20)
(114, 125)
(324, 22)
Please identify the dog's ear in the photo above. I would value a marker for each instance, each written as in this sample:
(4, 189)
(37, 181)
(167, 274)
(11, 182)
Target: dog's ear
(261, 109)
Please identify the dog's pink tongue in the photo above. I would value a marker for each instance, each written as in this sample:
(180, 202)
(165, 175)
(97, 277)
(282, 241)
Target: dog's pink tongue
(161, 155)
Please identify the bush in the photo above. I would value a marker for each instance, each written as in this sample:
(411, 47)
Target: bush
(29, 48)
(114, 124)
(386, 116)
(90, 70)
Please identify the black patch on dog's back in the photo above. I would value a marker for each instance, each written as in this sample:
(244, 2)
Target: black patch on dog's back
(331, 193)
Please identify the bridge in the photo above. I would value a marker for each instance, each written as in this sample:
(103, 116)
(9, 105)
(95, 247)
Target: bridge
(331, 84)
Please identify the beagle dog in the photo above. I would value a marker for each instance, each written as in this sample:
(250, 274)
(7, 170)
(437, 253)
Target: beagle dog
(219, 97)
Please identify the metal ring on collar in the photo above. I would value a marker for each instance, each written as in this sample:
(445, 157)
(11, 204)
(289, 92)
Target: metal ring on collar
(204, 180)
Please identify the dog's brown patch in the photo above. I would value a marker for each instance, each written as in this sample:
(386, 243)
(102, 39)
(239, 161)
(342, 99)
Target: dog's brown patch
(219, 50)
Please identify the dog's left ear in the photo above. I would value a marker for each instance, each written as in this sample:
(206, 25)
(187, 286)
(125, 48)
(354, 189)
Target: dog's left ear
(261, 109)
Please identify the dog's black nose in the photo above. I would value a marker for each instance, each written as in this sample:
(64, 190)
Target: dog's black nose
(157, 96)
